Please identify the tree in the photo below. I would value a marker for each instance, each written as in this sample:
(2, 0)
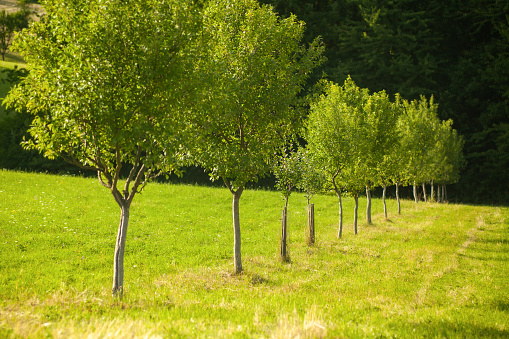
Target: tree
(311, 182)
(104, 83)
(447, 156)
(288, 173)
(335, 132)
(417, 127)
(381, 115)
(253, 69)
(397, 160)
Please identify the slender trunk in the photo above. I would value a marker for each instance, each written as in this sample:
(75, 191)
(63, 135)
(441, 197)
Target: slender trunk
(383, 198)
(284, 255)
(439, 193)
(368, 207)
(356, 198)
(424, 192)
(338, 193)
(311, 223)
(118, 260)
(340, 231)
(445, 194)
(416, 198)
(432, 194)
(397, 198)
(237, 259)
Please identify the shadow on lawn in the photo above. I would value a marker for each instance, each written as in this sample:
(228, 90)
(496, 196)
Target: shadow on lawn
(446, 329)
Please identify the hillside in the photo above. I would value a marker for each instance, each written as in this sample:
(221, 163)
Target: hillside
(436, 270)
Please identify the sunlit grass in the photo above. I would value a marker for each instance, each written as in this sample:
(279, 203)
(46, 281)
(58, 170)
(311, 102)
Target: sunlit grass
(435, 271)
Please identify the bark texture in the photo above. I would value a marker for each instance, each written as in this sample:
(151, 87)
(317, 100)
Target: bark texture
(284, 253)
(424, 192)
(118, 260)
(237, 258)
(416, 198)
(311, 224)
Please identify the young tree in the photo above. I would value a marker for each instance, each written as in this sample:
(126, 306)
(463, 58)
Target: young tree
(335, 133)
(253, 69)
(288, 173)
(381, 115)
(417, 127)
(104, 83)
(447, 155)
(311, 182)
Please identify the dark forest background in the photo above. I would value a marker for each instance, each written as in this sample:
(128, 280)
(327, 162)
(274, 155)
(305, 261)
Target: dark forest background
(457, 51)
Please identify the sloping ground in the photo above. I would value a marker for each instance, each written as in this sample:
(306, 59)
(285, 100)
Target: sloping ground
(435, 271)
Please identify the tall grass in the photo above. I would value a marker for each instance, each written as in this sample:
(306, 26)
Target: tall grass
(436, 270)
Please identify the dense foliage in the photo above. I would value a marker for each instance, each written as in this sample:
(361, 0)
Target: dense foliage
(102, 88)
(456, 51)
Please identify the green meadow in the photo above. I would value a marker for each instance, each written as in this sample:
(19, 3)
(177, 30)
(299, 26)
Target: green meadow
(435, 271)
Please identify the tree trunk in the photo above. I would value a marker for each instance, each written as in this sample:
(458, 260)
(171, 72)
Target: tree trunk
(432, 194)
(338, 193)
(424, 192)
(118, 260)
(444, 190)
(416, 198)
(237, 259)
(439, 193)
(311, 223)
(340, 231)
(356, 198)
(284, 254)
(383, 198)
(368, 207)
(397, 198)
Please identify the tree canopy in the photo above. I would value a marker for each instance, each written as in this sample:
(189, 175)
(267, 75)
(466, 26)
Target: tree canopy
(253, 68)
(103, 88)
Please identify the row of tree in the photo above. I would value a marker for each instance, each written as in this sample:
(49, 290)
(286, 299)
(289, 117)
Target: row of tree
(357, 140)
(457, 51)
(152, 86)
(155, 85)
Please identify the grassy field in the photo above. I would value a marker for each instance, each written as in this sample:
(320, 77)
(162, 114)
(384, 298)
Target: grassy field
(435, 271)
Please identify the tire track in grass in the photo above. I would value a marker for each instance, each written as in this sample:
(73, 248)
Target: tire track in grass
(422, 295)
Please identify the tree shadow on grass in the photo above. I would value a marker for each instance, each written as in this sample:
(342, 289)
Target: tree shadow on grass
(447, 329)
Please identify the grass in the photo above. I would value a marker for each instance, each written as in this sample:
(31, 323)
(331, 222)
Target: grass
(435, 271)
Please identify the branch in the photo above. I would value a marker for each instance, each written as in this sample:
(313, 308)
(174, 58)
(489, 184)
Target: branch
(229, 185)
(75, 162)
(136, 183)
(132, 171)
(117, 167)
(101, 180)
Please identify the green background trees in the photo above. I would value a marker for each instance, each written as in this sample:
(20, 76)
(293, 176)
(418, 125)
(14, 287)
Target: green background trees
(456, 51)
